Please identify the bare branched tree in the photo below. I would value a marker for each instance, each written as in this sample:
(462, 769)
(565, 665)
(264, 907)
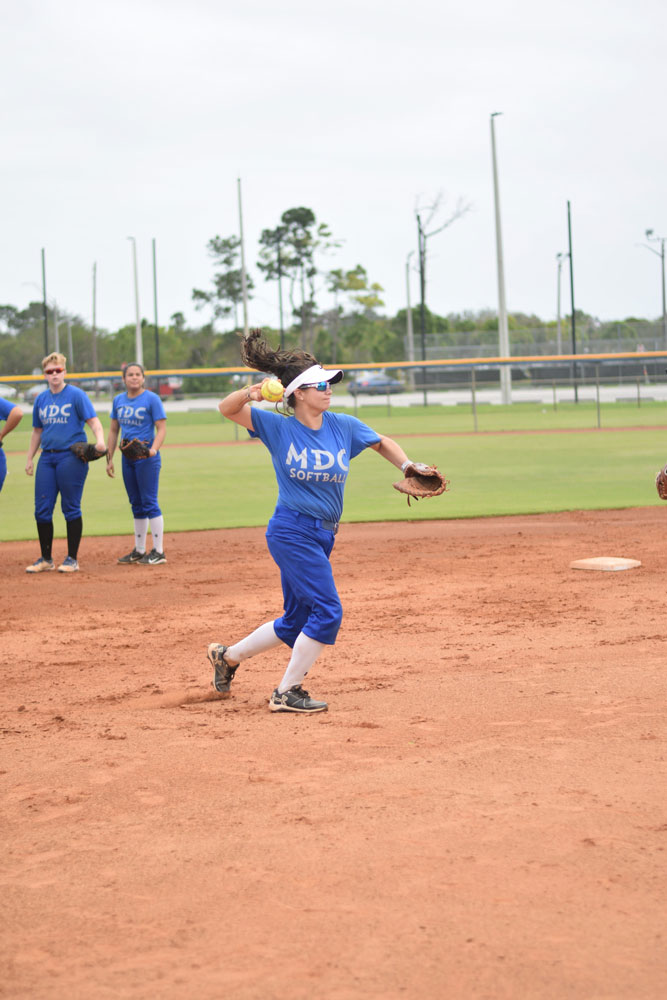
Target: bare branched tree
(427, 217)
(424, 233)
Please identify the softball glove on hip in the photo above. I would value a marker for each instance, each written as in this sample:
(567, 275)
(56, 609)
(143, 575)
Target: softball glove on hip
(86, 452)
(134, 449)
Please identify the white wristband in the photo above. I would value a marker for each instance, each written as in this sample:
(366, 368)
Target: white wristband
(406, 463)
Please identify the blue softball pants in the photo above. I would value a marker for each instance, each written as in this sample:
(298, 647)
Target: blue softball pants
(301, 547)
(142, 478)
(59, 472)
(3, 467)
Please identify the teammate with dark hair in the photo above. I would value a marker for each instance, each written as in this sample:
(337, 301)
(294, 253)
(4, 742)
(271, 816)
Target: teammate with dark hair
(139, 414)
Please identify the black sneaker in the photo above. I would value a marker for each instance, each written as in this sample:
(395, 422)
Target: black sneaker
(152, 558)
(295, 700)
(223, 674)
(132, 557)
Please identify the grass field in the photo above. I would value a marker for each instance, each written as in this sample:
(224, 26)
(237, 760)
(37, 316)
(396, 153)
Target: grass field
(491, 472)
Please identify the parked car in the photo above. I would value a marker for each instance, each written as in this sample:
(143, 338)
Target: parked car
(167, 386)
(94, 385)
(375, 383)
(33, 391)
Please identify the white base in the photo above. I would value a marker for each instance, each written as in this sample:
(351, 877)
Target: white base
(608, 563)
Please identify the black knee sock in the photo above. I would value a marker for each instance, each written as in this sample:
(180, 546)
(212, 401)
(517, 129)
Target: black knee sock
(45, 534)
(74, 532)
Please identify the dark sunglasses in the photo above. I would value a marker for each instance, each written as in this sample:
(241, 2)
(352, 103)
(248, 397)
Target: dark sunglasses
(320, 386)
(53, 371)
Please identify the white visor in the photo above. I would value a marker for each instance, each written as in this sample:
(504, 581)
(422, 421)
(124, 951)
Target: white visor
(312, 376)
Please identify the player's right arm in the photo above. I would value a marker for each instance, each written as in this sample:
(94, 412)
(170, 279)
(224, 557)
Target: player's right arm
(237, 407)
(33, 447)
(112, 441)
(14, 417)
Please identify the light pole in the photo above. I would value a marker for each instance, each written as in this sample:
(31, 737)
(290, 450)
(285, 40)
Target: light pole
(410, 328)
(421, 243)
(503, 335)
(157, 329)
(560, 257)
(46, 304)
(422, 237)
(44, 308)
(95, 316)
(661, 254)
(280, 297)
(244, 281)
(70, 349)
(55, 328)
(138, 341)
(573, 324)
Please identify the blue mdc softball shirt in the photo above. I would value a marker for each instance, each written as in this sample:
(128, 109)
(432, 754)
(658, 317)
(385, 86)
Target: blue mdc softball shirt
(137, 416)
(312, 466)
(61, 416)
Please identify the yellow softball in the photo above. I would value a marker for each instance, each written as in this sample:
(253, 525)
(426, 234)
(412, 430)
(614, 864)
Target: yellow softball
(272, 390)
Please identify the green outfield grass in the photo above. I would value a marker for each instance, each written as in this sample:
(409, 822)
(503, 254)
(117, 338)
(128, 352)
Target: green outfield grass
(491, 473)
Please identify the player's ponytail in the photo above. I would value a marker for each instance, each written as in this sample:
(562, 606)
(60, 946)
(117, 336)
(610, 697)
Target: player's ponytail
(285, 365)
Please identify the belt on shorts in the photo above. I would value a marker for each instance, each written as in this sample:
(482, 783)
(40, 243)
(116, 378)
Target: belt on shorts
(53, 451)
(317, 522)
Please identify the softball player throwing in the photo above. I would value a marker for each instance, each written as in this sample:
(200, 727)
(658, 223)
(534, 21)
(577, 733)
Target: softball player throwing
(58, 419)
(11, 415)
(311, 452)
(139, 413)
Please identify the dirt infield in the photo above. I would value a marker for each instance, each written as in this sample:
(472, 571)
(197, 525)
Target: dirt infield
(481, 813)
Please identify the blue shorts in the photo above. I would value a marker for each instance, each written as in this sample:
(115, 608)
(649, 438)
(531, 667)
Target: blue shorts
(142, 478)
(59, 472)
(3, 467)
(301, 549)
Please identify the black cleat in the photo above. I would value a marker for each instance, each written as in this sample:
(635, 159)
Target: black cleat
(153, 558)
(132, 557)
(295, 700)
(223, 674)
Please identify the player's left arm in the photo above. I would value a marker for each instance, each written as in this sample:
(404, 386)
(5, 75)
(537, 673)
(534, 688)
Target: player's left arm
(389, 449)
(160, 434)
(13, 418)
(96, 427)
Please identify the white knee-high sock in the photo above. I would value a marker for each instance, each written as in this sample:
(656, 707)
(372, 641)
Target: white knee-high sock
(157, 531)
(261, 639)
(304, 654)
(140, 532)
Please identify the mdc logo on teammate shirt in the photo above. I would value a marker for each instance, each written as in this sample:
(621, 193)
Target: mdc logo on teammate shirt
(55, 413)
(131, 415)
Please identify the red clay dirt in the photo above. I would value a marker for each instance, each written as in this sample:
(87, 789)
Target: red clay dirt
(480, 814)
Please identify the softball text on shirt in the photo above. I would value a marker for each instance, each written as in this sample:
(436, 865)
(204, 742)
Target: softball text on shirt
(62, 416)
(311, 466)
(137, 416)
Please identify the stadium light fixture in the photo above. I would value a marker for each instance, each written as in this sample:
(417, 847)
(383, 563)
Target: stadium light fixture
(661, 254)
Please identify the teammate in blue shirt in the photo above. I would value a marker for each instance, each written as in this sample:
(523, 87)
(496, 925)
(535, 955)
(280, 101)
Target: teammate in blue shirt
(59, 417)
(11, 415)
(311, 452)
(139, 413)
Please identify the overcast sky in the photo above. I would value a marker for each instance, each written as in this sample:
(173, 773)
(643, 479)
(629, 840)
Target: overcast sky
(136, 118)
